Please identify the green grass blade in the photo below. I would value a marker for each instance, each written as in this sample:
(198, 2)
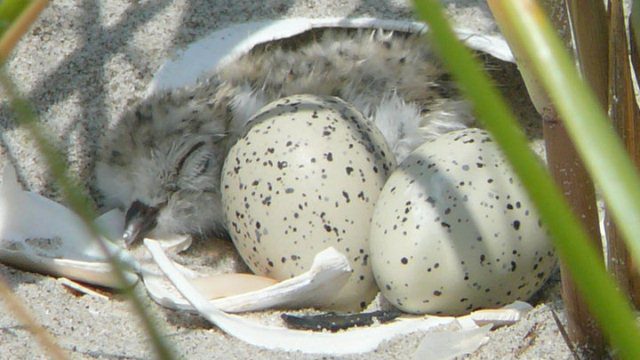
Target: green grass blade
(607, 303)
(9, 11)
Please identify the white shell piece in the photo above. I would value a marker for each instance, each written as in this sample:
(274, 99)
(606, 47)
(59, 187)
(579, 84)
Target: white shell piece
(506, 315)
(230, 284)
(358, 340)
(41, 235)
(444, 345)
(223, 46)
(316, 287)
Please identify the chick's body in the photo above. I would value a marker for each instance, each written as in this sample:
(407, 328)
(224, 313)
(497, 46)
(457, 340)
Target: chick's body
(162, 161)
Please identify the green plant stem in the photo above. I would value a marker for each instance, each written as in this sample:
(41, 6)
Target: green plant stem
(9, 11)
(571, 241)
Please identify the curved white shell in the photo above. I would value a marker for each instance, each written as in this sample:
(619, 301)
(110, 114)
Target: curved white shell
(318, 286)
(223, 46)
(38, 234)
(459, 332)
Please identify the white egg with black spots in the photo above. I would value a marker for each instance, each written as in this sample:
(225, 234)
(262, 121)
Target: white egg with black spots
(306, 176)
(454, 231)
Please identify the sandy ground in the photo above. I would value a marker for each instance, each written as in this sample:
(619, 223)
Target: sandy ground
(81, 65)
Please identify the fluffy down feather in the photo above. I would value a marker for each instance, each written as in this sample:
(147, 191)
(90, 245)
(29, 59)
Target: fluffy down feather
(166, 153)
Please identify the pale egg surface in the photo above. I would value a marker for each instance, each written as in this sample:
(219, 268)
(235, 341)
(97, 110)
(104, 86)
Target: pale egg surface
(454, 231)
(306, 176)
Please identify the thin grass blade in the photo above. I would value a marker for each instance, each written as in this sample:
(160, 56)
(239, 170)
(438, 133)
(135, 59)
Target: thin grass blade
(572, 243)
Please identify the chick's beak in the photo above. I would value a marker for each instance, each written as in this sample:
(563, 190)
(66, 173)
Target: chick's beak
(140, 219)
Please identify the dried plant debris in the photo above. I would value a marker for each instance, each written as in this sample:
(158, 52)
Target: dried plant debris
(334, 322)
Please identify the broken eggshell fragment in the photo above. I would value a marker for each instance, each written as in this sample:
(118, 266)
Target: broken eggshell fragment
(352, 341)
(230, 284)
(315, 288)
(38, 234)
(226, 45)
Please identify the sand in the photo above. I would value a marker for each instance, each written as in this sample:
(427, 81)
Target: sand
(82, 65)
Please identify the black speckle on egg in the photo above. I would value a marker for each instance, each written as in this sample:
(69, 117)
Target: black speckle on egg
(404, 261)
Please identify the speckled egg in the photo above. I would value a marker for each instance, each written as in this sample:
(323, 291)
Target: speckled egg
(454, 230)
(306, 176)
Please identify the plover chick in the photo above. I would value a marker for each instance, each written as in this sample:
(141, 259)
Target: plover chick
(162, 161)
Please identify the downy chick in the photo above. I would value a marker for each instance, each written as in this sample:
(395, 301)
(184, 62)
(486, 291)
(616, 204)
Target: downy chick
(163, 160)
